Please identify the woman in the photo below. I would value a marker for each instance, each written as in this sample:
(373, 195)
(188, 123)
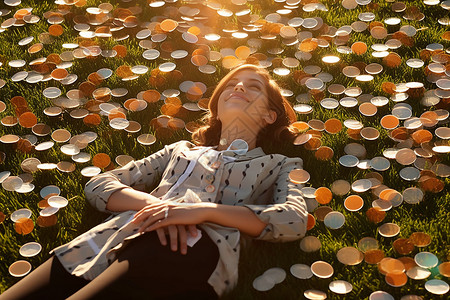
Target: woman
(204, 195)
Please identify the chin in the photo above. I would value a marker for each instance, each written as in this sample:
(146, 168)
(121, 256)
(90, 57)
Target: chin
(235, 109)
(235, 113)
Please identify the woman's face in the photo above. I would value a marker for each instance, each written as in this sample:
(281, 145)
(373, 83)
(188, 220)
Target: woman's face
(245, 97)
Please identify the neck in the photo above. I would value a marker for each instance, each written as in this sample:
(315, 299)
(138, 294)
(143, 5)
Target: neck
(230, 133)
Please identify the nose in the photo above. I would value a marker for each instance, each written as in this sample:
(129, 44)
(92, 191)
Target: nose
(239, 86)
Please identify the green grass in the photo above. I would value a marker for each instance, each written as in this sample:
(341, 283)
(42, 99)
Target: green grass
(431, 215)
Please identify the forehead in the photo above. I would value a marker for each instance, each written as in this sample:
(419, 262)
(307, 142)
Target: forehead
(248, 74)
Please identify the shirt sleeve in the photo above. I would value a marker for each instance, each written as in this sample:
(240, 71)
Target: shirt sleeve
(136, 173)
(287, 217)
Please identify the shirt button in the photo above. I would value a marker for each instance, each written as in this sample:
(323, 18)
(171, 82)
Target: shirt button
(209, 178)
(210, 188)
(216, 164)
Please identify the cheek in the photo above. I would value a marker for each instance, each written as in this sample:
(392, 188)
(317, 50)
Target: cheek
(220, 103)
(221, 99)
(262, 102)
(223, 95)
(260, 96)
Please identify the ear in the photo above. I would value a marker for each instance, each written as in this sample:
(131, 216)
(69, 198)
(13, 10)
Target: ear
(270, 117)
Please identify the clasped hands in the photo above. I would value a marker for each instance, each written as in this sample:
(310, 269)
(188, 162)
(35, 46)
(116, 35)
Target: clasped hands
(170, 218)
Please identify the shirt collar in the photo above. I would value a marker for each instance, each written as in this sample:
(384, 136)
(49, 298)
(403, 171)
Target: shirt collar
(255, 152)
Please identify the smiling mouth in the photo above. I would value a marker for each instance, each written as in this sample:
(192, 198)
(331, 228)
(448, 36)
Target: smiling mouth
(233, 95)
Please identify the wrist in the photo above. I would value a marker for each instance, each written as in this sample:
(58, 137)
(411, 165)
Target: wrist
(150, 199)
(208, 211)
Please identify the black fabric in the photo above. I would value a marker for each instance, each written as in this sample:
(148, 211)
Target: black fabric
(144, 269)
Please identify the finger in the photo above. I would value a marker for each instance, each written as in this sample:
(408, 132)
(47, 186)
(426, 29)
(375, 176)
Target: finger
(183, 238)
(151, 220)
(173, 234)
(159, 224)
(161, 236)
(144, 210)
(141, 215)
(154, 219)
(149, 209)
(144, 213)
(193, 230)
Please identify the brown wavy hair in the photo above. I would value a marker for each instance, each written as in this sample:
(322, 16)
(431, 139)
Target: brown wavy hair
(274, 134)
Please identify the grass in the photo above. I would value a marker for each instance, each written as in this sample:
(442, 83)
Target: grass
(430, 216)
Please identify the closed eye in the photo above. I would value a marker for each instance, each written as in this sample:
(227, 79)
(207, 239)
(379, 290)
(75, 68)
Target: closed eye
(252, 85)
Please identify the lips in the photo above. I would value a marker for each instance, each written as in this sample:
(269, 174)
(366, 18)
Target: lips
(238, 95)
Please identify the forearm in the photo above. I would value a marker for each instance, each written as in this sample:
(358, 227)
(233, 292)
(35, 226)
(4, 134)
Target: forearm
(129, 199)
(238, 217)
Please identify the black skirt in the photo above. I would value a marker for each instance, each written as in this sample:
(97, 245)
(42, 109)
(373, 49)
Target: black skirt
(161, 273)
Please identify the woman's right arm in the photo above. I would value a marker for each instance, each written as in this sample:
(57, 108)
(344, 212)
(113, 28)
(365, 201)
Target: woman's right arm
(113, 191)
(129, 199)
